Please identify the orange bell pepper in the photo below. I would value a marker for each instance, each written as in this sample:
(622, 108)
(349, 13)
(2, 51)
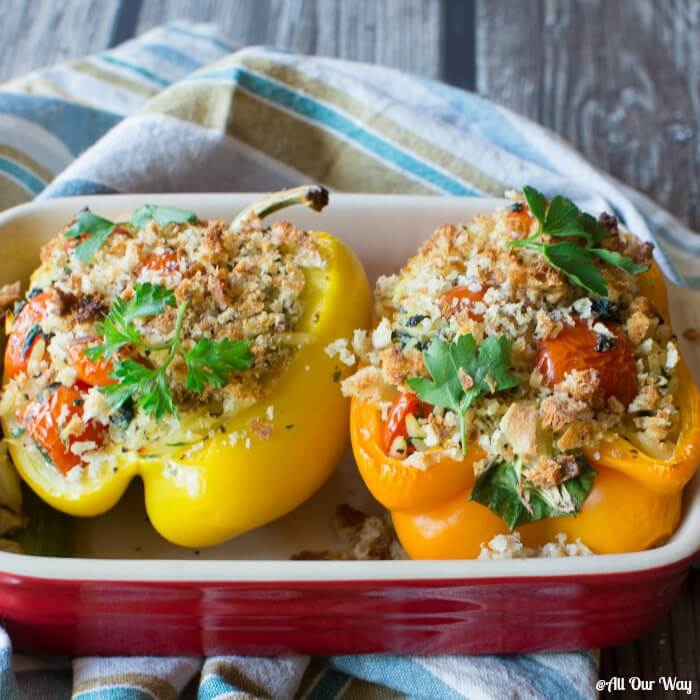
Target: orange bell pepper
(635, 502)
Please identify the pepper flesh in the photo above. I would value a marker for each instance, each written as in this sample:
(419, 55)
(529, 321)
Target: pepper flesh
(635, 502)
(225, 489)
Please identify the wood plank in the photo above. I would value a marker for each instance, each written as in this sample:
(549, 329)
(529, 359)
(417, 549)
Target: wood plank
(403, 34)
(458, 44)
(620, 80)
(399, 33)
(35, 34)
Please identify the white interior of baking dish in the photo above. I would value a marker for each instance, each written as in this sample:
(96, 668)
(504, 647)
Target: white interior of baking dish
(384, 230)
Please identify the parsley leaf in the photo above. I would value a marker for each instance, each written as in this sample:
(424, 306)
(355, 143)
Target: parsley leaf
(118, 329)
(563, 219)
(213, 362)
(208, 362)
(97, 230)
(576, 262)
(593, 227)
(87, 222)
(147, 386)
(149, 300)
(161, 215)
(500, 488)
(461, 373)
(622, 261)
(536, 202)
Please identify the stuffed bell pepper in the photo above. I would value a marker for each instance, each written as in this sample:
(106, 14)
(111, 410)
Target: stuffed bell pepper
(189, 353)
(522, 378)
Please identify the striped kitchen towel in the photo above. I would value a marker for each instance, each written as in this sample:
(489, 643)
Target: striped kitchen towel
(181, 109)
(524, 677)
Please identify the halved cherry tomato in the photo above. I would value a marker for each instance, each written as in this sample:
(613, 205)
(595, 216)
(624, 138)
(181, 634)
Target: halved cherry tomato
(519, 219)
(404, 404)
(41, 417)
(161, 263)
(399, 486)
(575, 349)
(465, 297)
(20, 343)
(92, 372)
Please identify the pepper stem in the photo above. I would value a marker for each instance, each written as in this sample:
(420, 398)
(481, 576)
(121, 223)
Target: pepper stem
(313, 196)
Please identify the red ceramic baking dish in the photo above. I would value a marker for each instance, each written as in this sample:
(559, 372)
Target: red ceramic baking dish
(127, 591)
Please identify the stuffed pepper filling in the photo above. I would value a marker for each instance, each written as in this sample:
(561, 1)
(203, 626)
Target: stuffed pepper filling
(523, 344)
(148, 335)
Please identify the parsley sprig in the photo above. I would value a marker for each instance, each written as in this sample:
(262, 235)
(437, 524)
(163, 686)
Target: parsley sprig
(461, 373)
(502, 488)
(207, 362)
(98, 229)
(163, 216)
(561, 218)
(118, 327)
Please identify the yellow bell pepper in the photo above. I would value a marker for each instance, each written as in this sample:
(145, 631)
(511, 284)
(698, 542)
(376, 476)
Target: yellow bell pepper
(635, 502)
(225, 489)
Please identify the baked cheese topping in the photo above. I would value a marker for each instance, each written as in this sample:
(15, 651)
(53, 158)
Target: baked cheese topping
(577, 368)
(236, 289)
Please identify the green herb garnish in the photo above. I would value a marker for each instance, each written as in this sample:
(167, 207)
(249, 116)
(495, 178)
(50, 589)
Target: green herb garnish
(96, 228)
(500, 488)
(212, 362)
(208, 362)
(118, 329)
(561, 218)
(163, 216)
(99, 229)
(461, 374)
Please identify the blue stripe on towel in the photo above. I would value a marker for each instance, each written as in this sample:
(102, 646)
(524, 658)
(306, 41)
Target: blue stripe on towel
(214, 687)
(77, 126)
(77, 186)
(133, 68)
(173, 56)
(334, 120)
(544, 679)
(21, 174)
(114, 692)
(398, 672)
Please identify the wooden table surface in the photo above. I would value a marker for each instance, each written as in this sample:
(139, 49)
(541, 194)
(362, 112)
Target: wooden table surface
(619, 79)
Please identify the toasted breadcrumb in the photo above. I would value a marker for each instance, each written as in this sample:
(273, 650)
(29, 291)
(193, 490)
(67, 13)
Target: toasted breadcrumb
(367, 384)
(519, 425)
(548, 472)
(580, 385)
(367, 537)
(340, 349)
(511, 547)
